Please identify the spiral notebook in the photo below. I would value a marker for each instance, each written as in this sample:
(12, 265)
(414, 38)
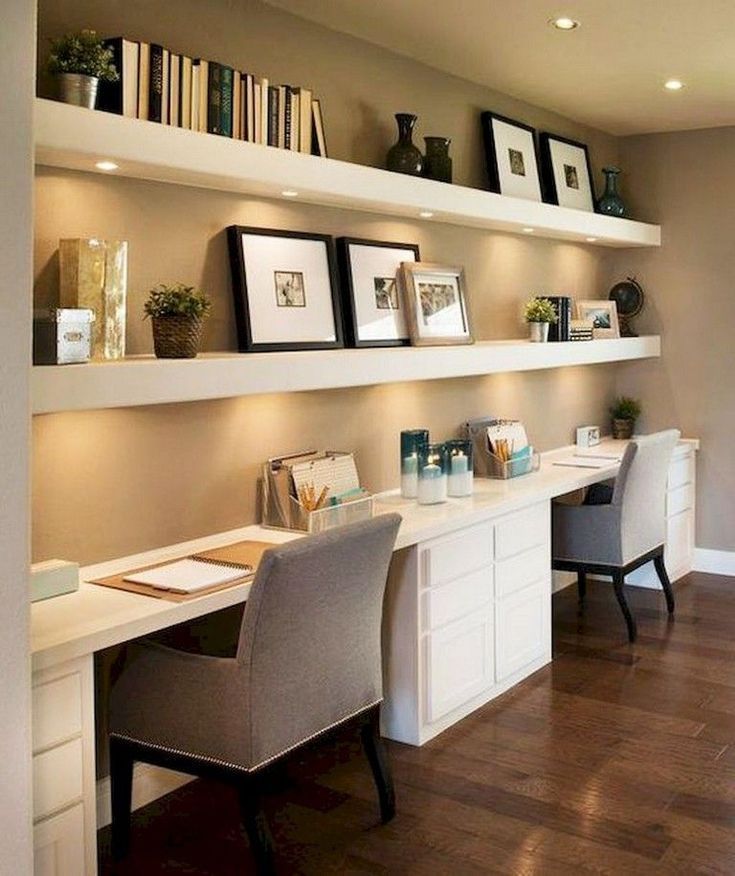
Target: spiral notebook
(189, 575)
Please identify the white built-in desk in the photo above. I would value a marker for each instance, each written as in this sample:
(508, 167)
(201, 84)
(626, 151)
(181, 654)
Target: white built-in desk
(468, 615)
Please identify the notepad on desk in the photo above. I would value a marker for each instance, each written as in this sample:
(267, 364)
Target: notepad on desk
(189, 575)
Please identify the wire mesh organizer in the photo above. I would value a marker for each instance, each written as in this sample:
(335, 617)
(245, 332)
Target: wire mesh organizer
(512, 468)
(331, 515)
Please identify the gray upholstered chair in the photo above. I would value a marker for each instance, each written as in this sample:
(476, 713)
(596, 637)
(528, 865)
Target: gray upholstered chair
(308, 660)
(630, 530)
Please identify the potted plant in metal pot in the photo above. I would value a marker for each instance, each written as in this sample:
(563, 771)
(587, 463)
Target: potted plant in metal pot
(177, 313)
(624, 412)
(539, 313)
(79, 61)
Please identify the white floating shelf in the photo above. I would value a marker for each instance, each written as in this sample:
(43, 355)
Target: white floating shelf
(144, 380)
(76, 138)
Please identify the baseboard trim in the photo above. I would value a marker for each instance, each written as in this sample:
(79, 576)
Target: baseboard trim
(714, 562)
(149, 783)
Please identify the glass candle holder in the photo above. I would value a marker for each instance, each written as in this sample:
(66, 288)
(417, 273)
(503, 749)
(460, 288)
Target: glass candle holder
(412, 440)
(459, 463)
(432, 462)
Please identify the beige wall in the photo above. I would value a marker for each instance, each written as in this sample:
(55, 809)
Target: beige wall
(115, 482)
(686, 182)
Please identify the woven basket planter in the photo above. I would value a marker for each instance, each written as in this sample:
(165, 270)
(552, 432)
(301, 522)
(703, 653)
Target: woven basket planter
(176, 337)
(622, 429)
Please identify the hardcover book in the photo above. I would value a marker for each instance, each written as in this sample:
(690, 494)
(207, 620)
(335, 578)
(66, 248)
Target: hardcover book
(225, 100)
(155, 84)
(272, 115)
(121, 97)
(214, 99)
(144, 79)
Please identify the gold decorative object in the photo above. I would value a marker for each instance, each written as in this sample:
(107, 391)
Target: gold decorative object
(94, 274)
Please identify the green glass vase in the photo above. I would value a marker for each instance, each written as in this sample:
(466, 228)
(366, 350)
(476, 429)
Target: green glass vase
(611, 204)
(404, 156)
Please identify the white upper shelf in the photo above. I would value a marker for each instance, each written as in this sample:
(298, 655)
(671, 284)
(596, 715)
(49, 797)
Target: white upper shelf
(143, 380)
(75, 138)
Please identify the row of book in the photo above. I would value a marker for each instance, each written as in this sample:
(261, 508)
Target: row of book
(161, 86)
(565, 328)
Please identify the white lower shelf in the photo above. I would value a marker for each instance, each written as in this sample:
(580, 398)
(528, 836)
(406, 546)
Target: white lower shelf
(144, 380)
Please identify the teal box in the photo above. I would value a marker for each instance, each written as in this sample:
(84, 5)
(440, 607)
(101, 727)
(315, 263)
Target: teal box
(53, 578)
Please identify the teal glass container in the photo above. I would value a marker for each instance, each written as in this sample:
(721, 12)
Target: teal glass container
(404, 156)
(460, 478)
(432, 475)
(412, 441)
(611, 204)
(438, 163)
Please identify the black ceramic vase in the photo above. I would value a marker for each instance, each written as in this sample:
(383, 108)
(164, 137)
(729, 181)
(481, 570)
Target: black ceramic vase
(403, 156)
(438, 164)
(611, 203)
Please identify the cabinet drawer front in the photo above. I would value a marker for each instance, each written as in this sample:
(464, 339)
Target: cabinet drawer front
(57, 778)
(457, 598)
(679, 543)
(57, 710)
(521, 531)
(459, 663)
(679, 499)
(681, 471)
(523, 629)
(58, 844)
(463, 552)
(518, 572)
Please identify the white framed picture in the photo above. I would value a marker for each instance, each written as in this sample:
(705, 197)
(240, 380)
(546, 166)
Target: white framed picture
(375, 312)
(510, 153)
(603, 315)
(436, 300)
(285, 290)
(566, 172)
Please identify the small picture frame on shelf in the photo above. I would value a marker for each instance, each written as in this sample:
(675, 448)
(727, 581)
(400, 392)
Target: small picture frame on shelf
(374, 309)
(436, 302)
(285, 290)
(510, 154)
(567, 175)
(603, 315)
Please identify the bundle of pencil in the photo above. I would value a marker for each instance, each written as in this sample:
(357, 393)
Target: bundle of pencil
(503, 449)
(308, 497)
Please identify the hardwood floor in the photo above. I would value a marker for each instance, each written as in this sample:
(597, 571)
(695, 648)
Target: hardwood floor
(615, 759)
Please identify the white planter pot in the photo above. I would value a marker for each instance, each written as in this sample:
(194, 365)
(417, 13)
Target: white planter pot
(539, 332)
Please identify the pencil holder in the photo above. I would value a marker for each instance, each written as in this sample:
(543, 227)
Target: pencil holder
(432, 474)
(460, 476)
(513, 468)
(412, 440)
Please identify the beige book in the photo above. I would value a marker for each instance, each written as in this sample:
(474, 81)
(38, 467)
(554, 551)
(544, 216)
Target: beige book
(144, 79)
(236, 106)
(185, 91)
(203, 94)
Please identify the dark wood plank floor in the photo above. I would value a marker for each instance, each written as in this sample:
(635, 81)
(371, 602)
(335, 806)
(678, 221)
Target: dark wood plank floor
(614, 759)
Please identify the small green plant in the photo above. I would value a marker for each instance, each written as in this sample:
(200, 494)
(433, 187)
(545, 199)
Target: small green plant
(83, 53)
(625, 408)
(540, 310)
(177, 300)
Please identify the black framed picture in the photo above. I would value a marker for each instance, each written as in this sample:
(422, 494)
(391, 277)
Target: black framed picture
(374, 309)
(510, 153)
(285, 289)
(567, 174)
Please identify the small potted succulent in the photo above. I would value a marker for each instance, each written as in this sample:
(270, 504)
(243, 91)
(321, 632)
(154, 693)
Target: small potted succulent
(624, 412)
(539, 313)
(177, 313)
(80, 61)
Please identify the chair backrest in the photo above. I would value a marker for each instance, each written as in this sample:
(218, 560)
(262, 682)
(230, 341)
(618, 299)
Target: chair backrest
(310, 641)
(640, 488)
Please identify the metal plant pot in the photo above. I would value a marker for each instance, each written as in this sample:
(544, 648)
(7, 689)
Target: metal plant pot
(539, 332)
(78, 89)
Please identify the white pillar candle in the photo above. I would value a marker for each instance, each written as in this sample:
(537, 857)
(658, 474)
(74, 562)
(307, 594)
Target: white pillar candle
(460, 483)
(409, 476)
(432, 485)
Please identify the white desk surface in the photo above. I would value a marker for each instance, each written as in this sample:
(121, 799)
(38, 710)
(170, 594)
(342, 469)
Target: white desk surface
(94, 617)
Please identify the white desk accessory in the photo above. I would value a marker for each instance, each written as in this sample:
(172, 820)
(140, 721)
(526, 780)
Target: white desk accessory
(588, 436)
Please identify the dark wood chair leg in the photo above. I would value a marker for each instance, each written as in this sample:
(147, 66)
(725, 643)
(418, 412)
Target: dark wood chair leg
(663, 577)
(619, 584)
(256, 826)
(121, 791)
(581, 585)
(378, 760)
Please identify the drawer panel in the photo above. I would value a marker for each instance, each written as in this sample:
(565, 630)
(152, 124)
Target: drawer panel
(458, 598)
(679, 499)
(523, 629)
(58, 844)
(681, 471)
(679, 549)
(463, 552)
(459, 663)
(57, 710)
(518, 572)
(57, 778)
(521, 531)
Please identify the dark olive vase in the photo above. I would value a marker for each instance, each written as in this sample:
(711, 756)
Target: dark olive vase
(438, 164)
(403, 156)
(611, 204)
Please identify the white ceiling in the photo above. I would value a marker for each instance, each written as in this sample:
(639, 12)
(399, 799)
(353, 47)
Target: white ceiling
(608, 73)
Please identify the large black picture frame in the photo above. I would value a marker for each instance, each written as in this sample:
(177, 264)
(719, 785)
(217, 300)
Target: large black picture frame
(238, 267)
(551, 195)
(491, 156)
(349, 308)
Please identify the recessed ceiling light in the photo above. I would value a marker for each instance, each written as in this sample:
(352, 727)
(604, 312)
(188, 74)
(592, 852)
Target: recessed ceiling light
(106, 165)
(590, 239)
(426, 214)
(564, 23)
(528, 230)
(673, 85)
(289, 193)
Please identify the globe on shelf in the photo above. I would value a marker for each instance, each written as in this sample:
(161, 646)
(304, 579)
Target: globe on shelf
(629, 298)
